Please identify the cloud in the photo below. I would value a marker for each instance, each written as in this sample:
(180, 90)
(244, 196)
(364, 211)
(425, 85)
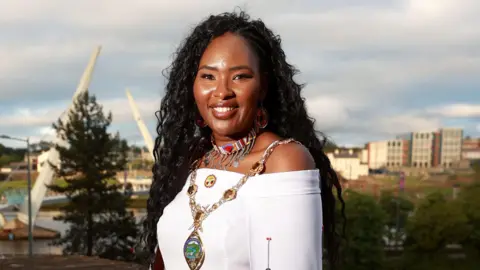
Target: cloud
(43, 117)
(330, 113)
(372, 68)
(457, 110)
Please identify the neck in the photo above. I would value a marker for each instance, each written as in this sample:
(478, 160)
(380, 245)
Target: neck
(223, 140)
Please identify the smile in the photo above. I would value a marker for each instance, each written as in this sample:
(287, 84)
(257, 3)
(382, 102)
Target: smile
(224, 113)
(223, 109)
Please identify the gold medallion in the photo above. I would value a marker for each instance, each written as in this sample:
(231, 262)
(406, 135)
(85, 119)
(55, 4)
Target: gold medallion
(193, 251)
(210, 181)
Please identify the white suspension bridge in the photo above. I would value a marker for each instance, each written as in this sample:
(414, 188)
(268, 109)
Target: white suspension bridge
(39, 192)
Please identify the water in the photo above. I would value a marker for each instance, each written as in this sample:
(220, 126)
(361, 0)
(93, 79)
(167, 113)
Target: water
(45, 220)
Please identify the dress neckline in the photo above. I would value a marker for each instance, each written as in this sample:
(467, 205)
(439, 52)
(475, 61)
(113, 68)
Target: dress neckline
(308, 172)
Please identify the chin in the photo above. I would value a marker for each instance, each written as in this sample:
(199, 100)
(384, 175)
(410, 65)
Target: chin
(226, 129)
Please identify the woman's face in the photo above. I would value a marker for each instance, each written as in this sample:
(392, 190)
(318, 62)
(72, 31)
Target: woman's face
(227, 88)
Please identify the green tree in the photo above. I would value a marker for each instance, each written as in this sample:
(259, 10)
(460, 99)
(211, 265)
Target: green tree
(364, 246)
(100, 225)
(476, 168)
(9, 155)
(436, 223)
(397, 209)
(470, 197)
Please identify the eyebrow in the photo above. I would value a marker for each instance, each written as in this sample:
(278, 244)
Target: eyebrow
(231, 69)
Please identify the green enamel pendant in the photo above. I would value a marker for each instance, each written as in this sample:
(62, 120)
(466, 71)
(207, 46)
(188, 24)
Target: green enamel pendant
(193, 251)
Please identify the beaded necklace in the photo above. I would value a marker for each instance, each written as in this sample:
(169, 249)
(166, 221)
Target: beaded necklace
(230, 154)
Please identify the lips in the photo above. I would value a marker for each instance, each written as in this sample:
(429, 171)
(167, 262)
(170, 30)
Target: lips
(224, 110)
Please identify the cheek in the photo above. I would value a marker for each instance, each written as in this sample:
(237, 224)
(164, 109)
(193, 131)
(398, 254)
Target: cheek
(201, 95)
(249, 100)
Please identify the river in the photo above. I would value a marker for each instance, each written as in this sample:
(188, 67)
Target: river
(45, 220)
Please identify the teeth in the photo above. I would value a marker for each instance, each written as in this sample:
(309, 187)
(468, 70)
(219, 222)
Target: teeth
(223, 109)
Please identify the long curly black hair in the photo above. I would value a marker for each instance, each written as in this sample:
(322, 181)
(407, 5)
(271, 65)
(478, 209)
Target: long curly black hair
(180, 142)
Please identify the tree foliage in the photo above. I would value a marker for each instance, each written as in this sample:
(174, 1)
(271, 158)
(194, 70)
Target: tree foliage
(9, 155)
(436, 224)
(364, 233)
(100, 225)
(470, 198)
(397, 209)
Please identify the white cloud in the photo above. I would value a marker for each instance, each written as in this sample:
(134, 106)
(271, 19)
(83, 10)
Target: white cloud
(44, 117)
(457, 110)
(398, 124)
(329, 112)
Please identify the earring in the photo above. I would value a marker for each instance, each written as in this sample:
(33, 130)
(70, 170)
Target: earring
(200, 122)
(262, 118)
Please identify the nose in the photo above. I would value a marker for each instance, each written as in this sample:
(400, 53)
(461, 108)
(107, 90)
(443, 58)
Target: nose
(223, 89)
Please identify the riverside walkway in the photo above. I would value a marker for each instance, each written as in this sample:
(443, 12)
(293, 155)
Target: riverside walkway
(63, 262)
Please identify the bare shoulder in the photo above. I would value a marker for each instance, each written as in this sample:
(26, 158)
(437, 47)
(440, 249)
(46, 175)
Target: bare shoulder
(289, 157)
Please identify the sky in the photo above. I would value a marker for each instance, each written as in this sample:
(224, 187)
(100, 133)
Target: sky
(372, 68)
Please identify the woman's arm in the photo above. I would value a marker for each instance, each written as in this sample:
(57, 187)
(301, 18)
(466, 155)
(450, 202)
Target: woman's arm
(285, 222)
(294, 225)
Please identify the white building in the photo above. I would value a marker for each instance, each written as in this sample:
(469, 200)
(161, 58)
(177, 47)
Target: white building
(348, 164)
(377, 154)
(391, 153)
(364, 156)
(450, 146)
(422, 149)
(396, 153)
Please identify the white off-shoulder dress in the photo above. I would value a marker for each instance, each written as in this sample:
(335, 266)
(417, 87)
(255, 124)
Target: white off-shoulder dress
(285, 207)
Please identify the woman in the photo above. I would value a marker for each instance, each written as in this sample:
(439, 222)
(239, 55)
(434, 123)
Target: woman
(240, 178)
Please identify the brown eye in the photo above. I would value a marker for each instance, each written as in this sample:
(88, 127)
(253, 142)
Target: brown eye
(242, 76)
(207, 76)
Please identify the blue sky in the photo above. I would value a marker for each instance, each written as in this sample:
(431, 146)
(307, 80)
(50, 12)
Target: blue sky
(373, 68)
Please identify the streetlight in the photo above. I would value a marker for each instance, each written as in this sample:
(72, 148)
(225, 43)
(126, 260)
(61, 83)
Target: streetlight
(29, 187)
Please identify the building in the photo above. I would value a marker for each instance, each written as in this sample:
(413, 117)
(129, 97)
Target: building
(428, 149)
(397, 153)
(422, 149)
(347, 164)
(387, 154)
(377, 154)
(450, 146)
(471, 148)
(364, 156)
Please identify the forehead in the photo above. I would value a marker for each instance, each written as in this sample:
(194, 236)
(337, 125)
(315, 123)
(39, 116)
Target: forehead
(229, 50)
